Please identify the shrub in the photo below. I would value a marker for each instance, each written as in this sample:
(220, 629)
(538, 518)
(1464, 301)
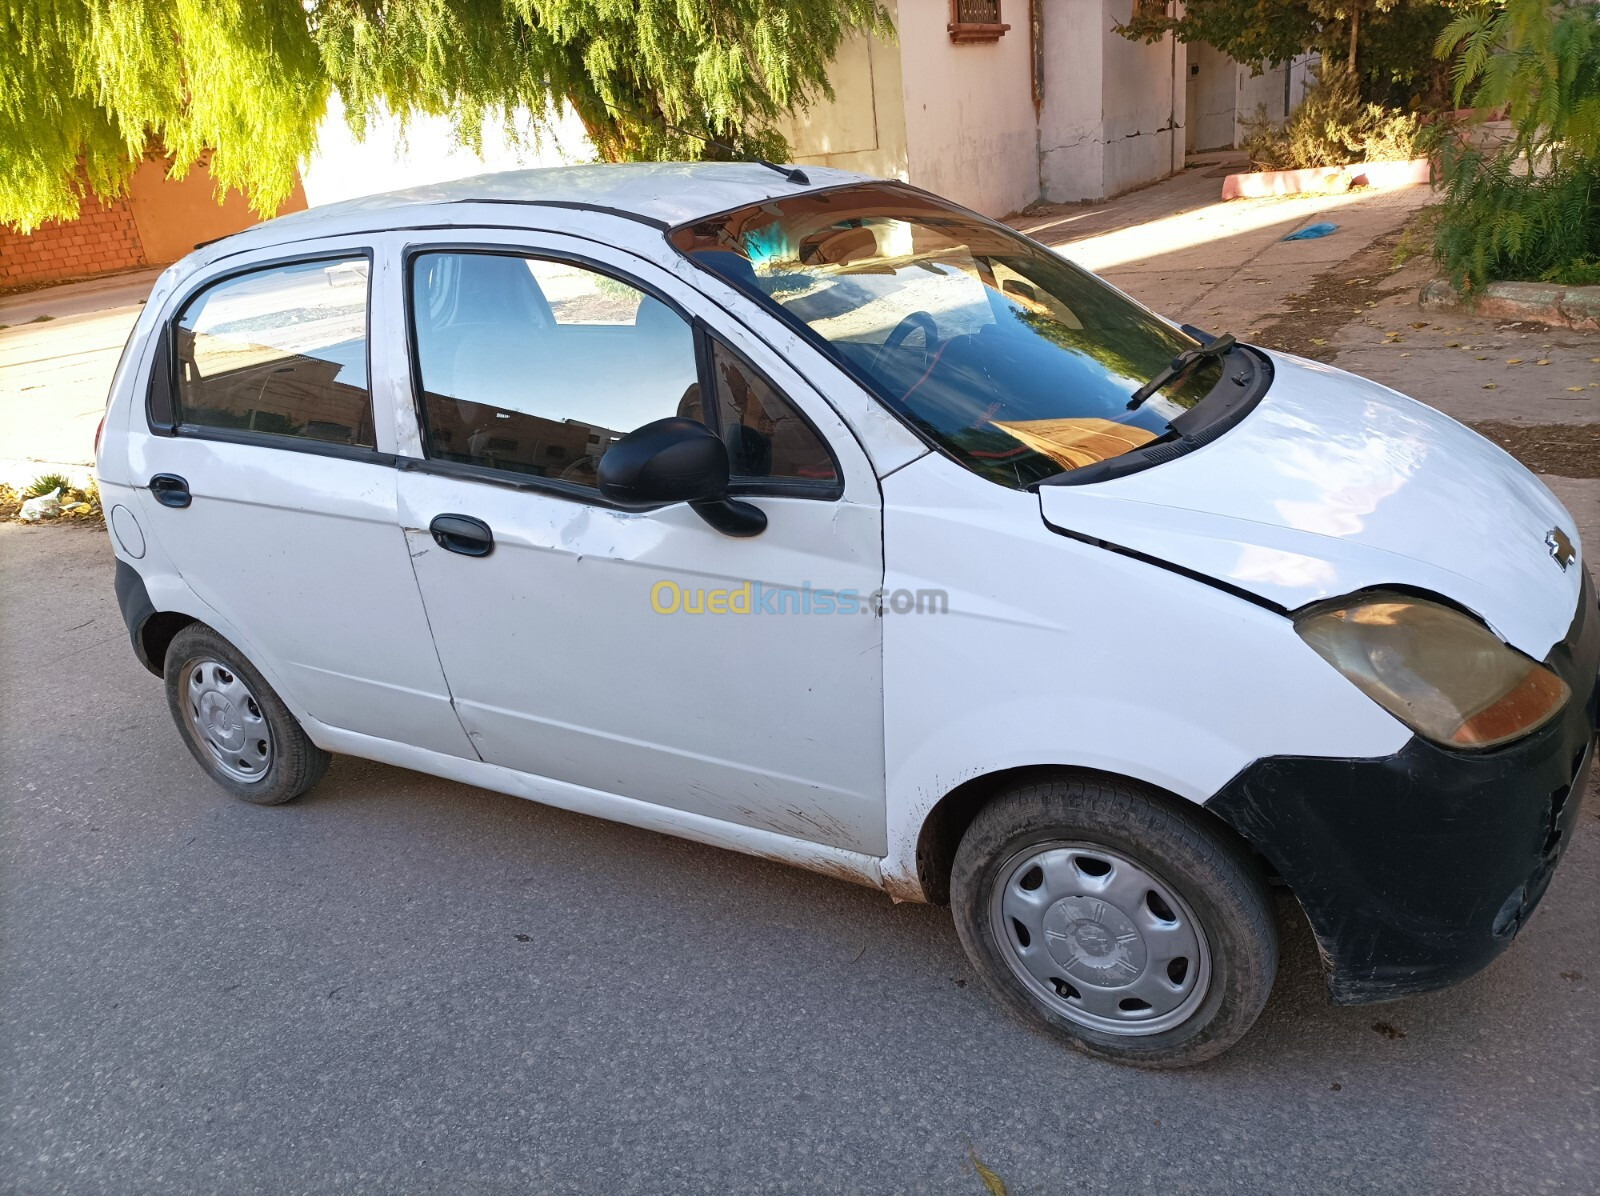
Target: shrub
(1503, 222)
(1531, 208)
(1332, 127)
(47, 482)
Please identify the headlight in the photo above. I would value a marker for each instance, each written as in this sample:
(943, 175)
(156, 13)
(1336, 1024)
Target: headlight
(1442, 674)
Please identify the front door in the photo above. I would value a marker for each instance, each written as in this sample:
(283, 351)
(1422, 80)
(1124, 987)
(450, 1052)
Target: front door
(642, 655)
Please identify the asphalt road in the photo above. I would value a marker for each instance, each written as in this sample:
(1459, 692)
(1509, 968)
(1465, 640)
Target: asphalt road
(399, 984)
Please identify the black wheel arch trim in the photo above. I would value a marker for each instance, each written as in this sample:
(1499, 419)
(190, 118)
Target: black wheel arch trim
(137, 609)
(149, 630)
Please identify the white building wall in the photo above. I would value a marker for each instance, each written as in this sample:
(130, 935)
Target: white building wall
(1213, 90)
(971, 132)
(1143, 102)
(864, 126)
(1113, 111)
(1071, 117)
(959, 120)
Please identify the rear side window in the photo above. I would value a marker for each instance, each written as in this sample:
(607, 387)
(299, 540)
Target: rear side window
(280, 351)
(538, 367)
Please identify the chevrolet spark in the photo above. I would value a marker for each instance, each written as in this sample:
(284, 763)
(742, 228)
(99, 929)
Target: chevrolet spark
(819, 518)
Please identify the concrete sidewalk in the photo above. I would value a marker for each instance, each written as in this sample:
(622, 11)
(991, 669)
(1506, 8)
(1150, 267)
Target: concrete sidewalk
(58, 349)
(1224, 267)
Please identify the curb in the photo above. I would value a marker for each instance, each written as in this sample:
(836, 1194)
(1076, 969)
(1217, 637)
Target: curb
(1322, 179)
(1577, 308)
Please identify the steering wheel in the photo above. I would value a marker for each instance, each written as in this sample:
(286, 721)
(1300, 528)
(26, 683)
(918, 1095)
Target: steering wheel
(917, 321)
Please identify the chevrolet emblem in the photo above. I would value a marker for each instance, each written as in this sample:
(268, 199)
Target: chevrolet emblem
(1560, 547)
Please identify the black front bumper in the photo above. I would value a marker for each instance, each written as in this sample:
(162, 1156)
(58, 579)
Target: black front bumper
(1416, 870)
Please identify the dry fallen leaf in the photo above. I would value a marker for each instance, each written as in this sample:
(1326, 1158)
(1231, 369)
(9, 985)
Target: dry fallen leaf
(1513, 361)
(1317, 340)
(1452, 344)
(1420, 324)
(1579, 389)
(1542, 361)
(1491, 386)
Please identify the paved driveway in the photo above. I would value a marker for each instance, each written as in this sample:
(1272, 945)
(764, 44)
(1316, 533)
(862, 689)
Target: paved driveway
(58, 349)
(404, 985)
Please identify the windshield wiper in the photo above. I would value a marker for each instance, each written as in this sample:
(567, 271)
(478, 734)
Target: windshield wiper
(1218, 347)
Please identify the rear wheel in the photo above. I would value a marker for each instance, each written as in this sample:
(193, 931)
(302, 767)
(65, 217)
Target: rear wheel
(1116, 919)
(234, 724)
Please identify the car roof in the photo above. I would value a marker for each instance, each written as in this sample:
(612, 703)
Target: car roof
(661, 193)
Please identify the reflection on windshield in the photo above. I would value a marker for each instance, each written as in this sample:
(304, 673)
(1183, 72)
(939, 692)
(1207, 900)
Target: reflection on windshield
(1015, 361)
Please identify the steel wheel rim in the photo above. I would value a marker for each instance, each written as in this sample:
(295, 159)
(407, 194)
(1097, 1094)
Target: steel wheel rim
(1098, 938)
(223, 716)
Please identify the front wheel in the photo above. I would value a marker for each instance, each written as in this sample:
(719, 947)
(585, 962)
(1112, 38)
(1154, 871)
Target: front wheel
(1115, 919)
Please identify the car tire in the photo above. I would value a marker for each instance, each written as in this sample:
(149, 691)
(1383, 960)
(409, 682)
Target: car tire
(234, 724)
(1116, 919)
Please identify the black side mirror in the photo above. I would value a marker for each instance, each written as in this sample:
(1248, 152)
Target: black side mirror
(677, 460)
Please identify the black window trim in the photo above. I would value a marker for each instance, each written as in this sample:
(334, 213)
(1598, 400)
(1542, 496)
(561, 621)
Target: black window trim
(512, 479)
(164, 373)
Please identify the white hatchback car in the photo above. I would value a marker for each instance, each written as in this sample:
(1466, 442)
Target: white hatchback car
(822, 519)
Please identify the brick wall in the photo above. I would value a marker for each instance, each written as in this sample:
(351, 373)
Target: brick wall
(102, 239)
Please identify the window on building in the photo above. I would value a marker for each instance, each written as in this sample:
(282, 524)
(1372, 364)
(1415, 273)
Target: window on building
(975, 21)
(537, 366)
(280, 351)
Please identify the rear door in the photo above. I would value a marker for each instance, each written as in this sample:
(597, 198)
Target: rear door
(644, 655)
(268, 479)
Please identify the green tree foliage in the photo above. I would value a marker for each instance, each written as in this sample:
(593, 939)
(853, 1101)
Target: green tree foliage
(1528, 208)
(1390, 39)
(89, 87)
(1539, 62)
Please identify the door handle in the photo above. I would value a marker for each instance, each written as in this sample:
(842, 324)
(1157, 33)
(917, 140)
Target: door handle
(170, 490)
(463, 534)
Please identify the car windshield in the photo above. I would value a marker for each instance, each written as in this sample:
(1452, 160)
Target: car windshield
(1012, 359)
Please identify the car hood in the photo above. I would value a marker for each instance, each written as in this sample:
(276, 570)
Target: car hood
(1335, 484)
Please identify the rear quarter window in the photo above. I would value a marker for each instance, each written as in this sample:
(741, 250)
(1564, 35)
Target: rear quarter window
(279, 351)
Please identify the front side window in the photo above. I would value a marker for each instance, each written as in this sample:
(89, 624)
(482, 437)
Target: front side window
(280, 351)
(537, 367)
(1016, 362)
